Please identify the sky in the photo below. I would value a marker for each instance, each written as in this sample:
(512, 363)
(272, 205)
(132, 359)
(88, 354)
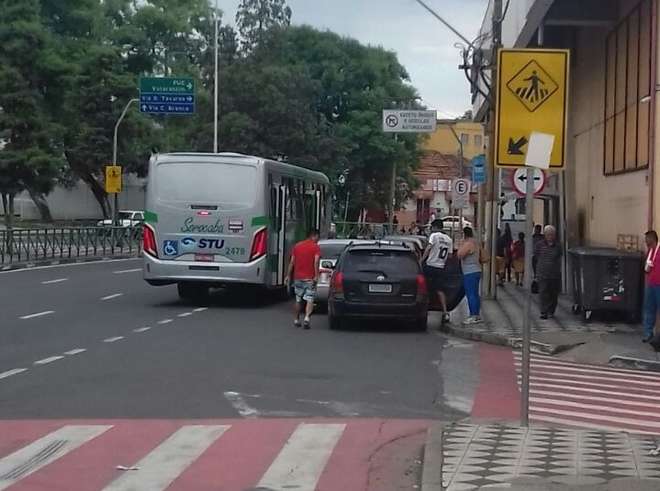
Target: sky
(423, 45)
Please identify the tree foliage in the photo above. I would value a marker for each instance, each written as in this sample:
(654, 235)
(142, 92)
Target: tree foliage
(67, 69)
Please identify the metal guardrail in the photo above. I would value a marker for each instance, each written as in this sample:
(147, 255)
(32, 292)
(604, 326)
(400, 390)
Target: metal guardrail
(37, 244)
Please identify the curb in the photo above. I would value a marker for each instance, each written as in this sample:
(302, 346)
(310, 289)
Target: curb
(57, 262)
(620, 361)
(432, 466)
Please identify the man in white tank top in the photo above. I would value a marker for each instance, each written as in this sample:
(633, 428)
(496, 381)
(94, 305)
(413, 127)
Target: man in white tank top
(435, 257)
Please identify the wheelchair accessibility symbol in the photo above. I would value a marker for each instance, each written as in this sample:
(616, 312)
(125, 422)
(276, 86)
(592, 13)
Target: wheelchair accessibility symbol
(171, 247)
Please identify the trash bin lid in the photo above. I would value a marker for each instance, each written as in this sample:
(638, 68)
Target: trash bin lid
(604, 252)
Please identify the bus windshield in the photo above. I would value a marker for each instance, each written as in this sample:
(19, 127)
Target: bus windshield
(197, 182)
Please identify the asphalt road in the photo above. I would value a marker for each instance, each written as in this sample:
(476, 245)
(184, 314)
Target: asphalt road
(95, 341)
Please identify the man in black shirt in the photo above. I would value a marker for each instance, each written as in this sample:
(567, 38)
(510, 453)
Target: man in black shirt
(548, 271)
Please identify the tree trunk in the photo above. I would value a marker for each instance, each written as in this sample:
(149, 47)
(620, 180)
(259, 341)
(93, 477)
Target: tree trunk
(42, 205)
(95, 187)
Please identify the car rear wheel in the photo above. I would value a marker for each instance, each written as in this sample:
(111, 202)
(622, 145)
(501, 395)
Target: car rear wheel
(422, 324)
(335, 322)
(192, 292)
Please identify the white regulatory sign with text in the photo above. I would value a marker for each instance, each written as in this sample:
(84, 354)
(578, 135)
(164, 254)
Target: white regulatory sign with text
(460, 193)
(409, 121)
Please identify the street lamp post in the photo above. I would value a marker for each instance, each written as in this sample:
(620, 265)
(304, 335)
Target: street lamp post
(215, 83)
(115, 218)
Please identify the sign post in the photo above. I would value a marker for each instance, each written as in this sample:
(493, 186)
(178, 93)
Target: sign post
(405, 121)
(530, 130)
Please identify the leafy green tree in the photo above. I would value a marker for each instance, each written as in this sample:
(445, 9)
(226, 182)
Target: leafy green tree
(33, 82)
(256, 18)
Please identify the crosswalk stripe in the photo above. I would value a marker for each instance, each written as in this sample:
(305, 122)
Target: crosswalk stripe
(163, 465)
(584, 424)
(572, 373)
(599, 417)
(613, 408)
(583, 397)
(569, 389)
(300, 463)
(43, 451)
(561, 364)
(634, 390)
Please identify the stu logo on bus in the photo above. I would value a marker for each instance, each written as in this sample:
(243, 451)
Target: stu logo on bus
(190, 228)
(190, 243)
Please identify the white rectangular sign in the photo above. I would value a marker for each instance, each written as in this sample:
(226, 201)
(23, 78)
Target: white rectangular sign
(460, 195)
(409, 121)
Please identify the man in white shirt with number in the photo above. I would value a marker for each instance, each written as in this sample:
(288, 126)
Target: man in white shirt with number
(439, 249)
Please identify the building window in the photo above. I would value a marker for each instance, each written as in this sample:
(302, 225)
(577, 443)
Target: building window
(627, 93)
(465, 139)
(478, 142)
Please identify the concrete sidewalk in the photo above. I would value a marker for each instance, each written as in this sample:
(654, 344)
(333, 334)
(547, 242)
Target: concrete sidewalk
(466, 456)
(566, 335)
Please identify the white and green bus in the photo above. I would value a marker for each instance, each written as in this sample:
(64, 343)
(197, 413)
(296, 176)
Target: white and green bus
(227, 219)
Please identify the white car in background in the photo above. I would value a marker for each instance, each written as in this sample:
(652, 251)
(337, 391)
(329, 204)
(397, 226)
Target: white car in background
(126, 219)
(452, 222)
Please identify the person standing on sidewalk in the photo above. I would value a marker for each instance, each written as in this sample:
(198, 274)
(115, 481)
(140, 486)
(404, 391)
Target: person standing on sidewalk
(518, 258)
(652, 290)
(470, 256)
(537, 237)
(304, 266)
(435, 257)
(548, 270)
(508, 242)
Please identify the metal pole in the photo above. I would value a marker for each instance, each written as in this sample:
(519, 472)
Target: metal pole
(215, 83)
(460, 172)
(393, 188)
(348, 197)
(527, 319)
(115, 218)
(497, 44)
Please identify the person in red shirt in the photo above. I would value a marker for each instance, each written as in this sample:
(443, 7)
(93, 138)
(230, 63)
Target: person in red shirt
(652, 290)
(304, 266)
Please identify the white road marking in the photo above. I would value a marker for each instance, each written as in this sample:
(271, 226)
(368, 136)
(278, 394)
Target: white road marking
(185, 314)
(242, 407)
(577, 405)
(124, 271)
(76, 351)
(159, 468)
(112, 340)
(110, 297)
(45, 450)
(48, 360)
(9, 373)
(584, 424)
(141, 329)
(200, 309)
(38, 314)
(50, 282)
(596, 417)
(88, 263)
(300, 463)
(582, 383)
(584, 397)
(164, 321)
(571, 390)
(576, 367)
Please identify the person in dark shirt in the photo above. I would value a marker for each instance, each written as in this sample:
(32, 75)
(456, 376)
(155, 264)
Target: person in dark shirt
(548, 255)
(536, 238)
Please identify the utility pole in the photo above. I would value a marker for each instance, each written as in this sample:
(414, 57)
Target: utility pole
(492, 172)
(215, 83)
(393, 189)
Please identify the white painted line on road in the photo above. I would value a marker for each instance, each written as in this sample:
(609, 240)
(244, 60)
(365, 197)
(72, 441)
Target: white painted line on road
(159, 468)
(113, 340)
(15, 371)
(584, 424)
(76, 351)
(300, 463)
(87, 263)
(242, 407)
(141, 329)
(124, 271)
(45, 450)
(164, 321)
(591, 407)
(50, 282)
(48, 360)
(38, 314)
(110, 297)
(200, 309)
(185, 314)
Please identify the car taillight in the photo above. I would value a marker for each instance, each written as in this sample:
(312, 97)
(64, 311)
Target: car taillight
(259, 244)
(149, 241)
(422, 288)
(337, 283)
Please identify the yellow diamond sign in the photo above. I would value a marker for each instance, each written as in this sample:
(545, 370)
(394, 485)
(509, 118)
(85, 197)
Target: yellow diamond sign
(532, 96)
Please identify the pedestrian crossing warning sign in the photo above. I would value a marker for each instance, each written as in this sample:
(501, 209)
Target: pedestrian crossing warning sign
(113, 180)
(532, 95)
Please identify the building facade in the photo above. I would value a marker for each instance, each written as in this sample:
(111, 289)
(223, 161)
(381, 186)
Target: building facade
(609, 189)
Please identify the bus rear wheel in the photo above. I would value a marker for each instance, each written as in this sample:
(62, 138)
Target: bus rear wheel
(192, 292)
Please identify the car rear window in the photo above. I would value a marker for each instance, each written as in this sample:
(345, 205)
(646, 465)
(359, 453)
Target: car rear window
(381, 260)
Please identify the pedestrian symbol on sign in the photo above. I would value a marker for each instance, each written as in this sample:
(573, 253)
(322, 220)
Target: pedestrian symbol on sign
(532, 86)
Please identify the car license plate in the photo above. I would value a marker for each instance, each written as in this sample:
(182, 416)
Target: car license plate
(205, 258)
(380, 288)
